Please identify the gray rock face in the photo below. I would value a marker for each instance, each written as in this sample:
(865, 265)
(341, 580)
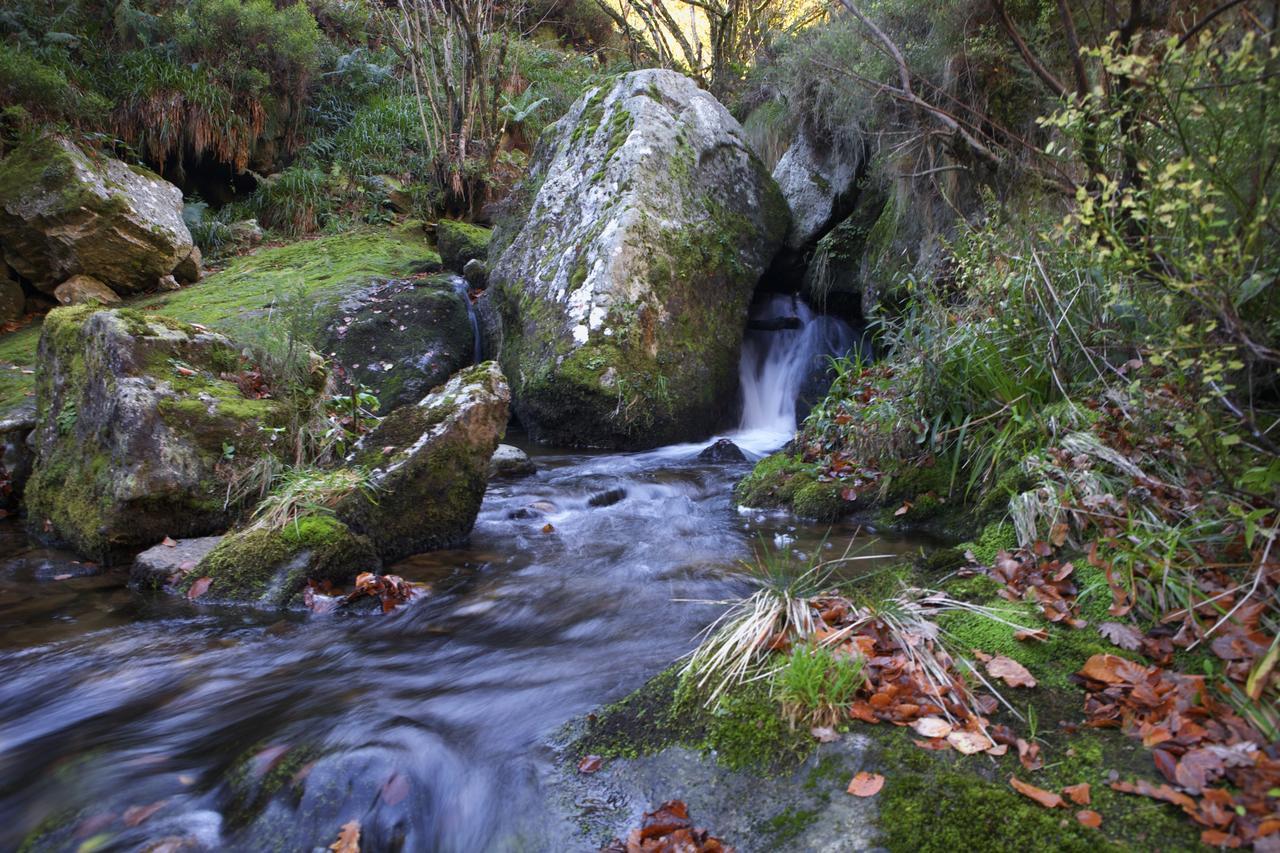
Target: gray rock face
(403, 338)
(63, 213)
(430, 465)
(13, 302)
(82, 289)
(15, 453)
(510, 463)
(164, 565)
(190, 269)
(624, 288)
(133, 426)
(819, 184)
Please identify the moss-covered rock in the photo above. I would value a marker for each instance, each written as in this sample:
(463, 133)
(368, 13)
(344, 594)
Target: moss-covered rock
(460, 242)
(64, 213)
(624, 287)
(270, 567)
(430, 465)
(404, 337)
(136, 430)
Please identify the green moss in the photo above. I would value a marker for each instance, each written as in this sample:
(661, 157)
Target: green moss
(941, 560)
(774, 481)
(820, 501)
(460, 242)
(993, 539)
(787, 825)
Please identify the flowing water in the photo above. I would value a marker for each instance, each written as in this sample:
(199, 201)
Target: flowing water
(128, 719)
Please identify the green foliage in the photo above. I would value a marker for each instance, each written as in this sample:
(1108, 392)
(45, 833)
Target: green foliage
(296, 201)
(815, 686)
(306, 491)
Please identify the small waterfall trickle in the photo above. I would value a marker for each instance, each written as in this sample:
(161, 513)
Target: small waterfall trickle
(784, 350)
(464, 290)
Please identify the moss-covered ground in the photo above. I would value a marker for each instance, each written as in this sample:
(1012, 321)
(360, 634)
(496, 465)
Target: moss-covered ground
(323, 267)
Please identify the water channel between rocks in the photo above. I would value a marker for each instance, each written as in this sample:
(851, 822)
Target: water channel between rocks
(257, 730)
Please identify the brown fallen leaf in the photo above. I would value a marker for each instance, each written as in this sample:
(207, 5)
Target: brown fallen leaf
(548, 528)
(168, 543)
(1039, 634)
(1029, 754)
(865, 784)
(135, 815)
(1013, 673)
(1088, 818)
(1048, 799)
(590, 764)
(395, 789)
(931, 727)
(63, 577)
(824, 734)
(969, 743)
(1079, 794)
(937, 743)
(904, 509)
(348, 839)
(199, 588)
(1124, 636)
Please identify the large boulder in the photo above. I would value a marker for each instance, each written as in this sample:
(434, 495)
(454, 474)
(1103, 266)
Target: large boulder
(430, 465)
(624, 288)
(461, 242)
(140, 426)
(820, 183)
(63, 213)
(402, 338)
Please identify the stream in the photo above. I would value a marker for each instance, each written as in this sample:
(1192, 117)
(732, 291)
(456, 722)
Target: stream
(129, 720)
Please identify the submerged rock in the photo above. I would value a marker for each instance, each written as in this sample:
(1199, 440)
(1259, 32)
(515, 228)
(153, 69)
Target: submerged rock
(460, 243)
(403, 338)
(270, 567)
(137, 433)
(430, 465)
(723, 450)
(624, 288)
(64, 213)
(510, 463)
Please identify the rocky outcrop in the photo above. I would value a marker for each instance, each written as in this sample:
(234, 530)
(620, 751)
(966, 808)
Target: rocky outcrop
(460, 243)
(139, 427)
(820, 184)
(402, 338)
(165, 565)
(64, 213)
(430, 466)
(510, 463)
(623, 287)
(191, 268)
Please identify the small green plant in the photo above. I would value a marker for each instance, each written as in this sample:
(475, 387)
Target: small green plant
(816, 685)
(305, 491)
(67, 418)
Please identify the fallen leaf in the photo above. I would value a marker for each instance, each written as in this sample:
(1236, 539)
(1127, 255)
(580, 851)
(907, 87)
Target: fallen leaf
(1036, 634)
(1029, 754)
(168, 543)
(968, 743)
(865, 784)
(903, 510)
(199, 588)
(1218, 838)
(1102, 668)
(1088, 818)
(937, 743)
(590, 764)
(1048, 799)
(63, 577)
(548, 528)
(932, 727)
(1124, 636)
(395, 789)
(348, 839)
(1013, 673)
(824, 734)
(1079, 794)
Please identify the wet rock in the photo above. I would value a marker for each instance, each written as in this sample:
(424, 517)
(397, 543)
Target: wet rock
(624, 288)
(13, 301)
(63, 213)
(510, 463)
(270, 568)
(607, 498)
(245, 232)
(402, 338)
(430, 465)
(82, 289)
(490, 324)
(723, 450)
(132, 430)
(820, 184)
(460, 243)
(16, 456)
(190, 269)
(162, 565)
(476, 272)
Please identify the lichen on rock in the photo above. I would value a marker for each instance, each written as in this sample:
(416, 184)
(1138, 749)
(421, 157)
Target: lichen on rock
(624, 287)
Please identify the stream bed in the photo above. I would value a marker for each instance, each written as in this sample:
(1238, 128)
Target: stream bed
(127, 718)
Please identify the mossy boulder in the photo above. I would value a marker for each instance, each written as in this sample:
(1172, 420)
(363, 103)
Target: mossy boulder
(64, 213)
(430, 466)
(269, 567)
(783, 480)
(624, 286)
(819, 179)
(461, 242)
(403, 337)
(137, 430)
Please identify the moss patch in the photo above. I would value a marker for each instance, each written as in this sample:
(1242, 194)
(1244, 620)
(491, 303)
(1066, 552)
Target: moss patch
(460, 242)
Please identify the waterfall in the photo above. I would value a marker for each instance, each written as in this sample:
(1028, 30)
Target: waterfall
(785, 350)
(464, 290)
